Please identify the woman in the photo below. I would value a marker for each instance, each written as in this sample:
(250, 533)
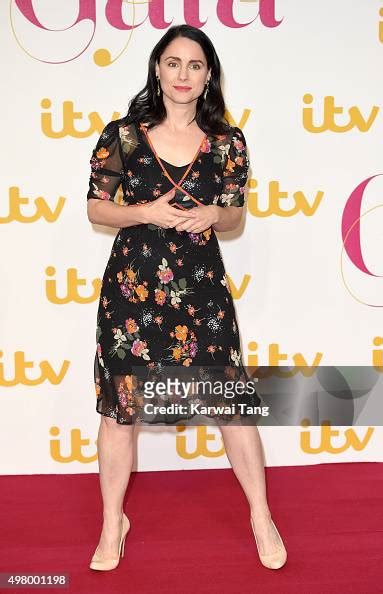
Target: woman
(165, 304)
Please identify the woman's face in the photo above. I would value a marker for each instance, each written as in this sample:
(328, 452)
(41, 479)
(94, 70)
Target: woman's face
(183, 64)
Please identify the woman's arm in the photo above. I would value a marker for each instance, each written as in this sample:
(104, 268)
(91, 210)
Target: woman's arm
(115, 215)
(202, 217)
(228, 218)
(158, 212)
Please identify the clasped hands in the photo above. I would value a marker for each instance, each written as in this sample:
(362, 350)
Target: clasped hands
(193, 220)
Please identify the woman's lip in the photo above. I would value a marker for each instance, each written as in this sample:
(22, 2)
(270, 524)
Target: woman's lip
(182, 88)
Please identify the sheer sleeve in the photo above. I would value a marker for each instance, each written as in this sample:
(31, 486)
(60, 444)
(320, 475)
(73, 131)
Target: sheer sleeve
(235, 171)
(106, 164)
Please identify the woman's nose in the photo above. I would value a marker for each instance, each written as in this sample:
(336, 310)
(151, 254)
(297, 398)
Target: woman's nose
(183, 73)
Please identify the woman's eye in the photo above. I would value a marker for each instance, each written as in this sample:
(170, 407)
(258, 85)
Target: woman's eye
(194, 66)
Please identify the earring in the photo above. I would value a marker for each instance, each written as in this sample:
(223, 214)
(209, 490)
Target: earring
(158, 86)
(206, 90)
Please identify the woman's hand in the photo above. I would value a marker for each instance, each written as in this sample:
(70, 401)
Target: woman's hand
(199, 218)
(160, 213)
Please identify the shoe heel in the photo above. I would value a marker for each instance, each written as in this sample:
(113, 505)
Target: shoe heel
(123, 546)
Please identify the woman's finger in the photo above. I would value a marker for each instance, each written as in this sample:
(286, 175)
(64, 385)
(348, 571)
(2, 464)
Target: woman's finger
(178, 212)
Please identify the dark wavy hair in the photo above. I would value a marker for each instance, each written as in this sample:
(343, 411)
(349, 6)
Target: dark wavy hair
(147, 106)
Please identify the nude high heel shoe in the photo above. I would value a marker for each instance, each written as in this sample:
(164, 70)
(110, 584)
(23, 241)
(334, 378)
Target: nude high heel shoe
(274, 560)
(107, 564)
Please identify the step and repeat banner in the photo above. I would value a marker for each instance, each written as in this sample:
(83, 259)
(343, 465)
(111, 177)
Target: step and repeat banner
(303, 80)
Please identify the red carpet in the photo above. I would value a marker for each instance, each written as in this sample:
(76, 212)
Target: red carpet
(191, 532)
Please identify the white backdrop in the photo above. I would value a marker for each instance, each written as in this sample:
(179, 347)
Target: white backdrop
(296, 289)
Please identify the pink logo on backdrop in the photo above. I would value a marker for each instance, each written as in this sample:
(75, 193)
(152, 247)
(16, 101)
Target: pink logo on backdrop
(351, 234)
(265, 10)
(351, 226)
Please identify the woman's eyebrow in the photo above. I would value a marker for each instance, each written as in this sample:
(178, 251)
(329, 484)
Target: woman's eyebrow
(176, 58)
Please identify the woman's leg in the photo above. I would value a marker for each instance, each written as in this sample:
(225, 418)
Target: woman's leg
(115, 459)
(244, 450)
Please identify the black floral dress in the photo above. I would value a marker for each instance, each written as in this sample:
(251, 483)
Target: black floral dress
(166, 310)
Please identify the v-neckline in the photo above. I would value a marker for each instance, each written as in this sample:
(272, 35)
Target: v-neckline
(143, 131)
(143, 127)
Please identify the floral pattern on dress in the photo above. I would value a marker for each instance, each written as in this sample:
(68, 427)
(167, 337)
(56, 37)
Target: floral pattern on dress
(165, 301)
